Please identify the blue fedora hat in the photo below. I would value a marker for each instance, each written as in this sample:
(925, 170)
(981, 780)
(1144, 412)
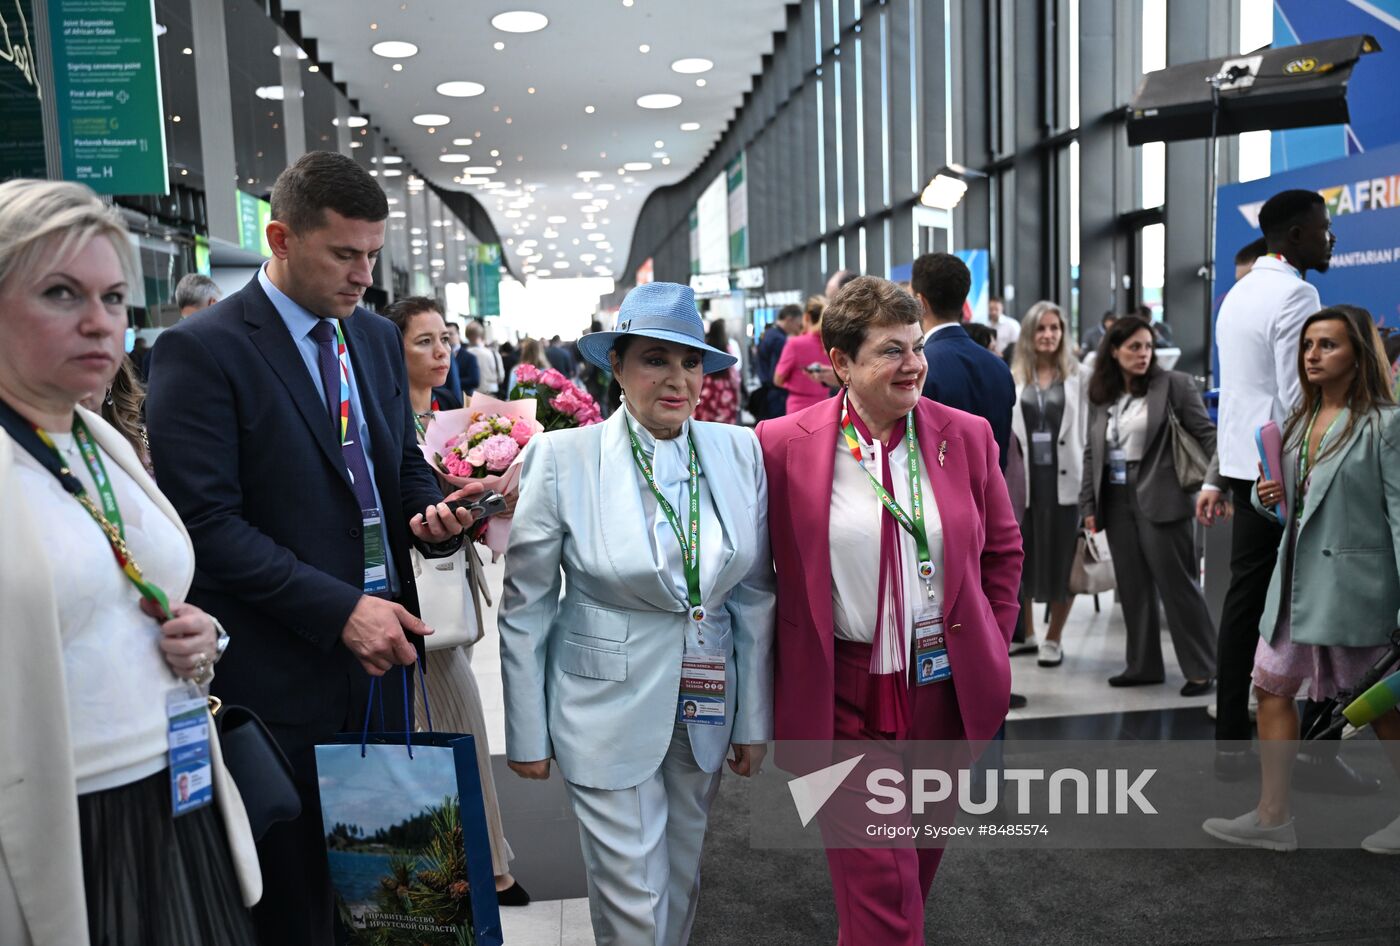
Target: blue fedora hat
(663, 310)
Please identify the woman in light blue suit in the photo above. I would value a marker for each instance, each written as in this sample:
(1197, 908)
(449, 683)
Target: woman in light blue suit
(1335, 594)
(602, 679)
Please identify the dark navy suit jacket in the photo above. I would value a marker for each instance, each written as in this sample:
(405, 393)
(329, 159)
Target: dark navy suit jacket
(964, 375)
(244, 448)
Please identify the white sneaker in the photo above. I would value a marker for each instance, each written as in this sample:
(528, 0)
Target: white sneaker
(1029, 645)
(1246, 830)
(1050, 654)
(1384, 841)
(1253, 707)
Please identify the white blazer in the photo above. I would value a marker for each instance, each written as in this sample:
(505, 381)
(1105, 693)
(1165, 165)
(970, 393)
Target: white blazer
(1257, 336)
(41, 867)
(591, 679)
(1074, 425)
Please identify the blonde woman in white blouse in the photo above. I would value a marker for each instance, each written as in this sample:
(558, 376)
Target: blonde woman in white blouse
(90, 850)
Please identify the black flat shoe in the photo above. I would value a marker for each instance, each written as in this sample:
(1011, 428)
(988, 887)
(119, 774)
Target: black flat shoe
(1123, 680)
(513, 896)
(1197, 687)
(1018, 701)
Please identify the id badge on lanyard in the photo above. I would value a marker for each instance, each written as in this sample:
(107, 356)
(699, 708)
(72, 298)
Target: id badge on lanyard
(1042, 448)
(930, 647)
(1117, 466)
(701, 699)
(376, 553)
(191, 773)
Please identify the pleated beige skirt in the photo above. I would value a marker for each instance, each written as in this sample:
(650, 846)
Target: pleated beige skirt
(456, 704)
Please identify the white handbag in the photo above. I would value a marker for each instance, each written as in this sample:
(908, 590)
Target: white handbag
(1091, 572)
(449, 596)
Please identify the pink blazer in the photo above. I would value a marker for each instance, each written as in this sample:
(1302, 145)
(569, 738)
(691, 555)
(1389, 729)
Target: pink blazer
(981, 550)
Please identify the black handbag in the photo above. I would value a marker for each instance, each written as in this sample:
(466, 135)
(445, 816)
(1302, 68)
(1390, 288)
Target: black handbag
(257, 766)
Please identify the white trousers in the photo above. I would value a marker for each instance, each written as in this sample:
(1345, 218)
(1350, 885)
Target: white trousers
(641, 848)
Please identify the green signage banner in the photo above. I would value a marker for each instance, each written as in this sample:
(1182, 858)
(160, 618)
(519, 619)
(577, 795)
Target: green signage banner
(21, 115)
(111, 125)
(253, 216)
(484, 280)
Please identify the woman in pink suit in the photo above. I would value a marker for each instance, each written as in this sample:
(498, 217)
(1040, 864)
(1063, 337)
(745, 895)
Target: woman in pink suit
(894, 609)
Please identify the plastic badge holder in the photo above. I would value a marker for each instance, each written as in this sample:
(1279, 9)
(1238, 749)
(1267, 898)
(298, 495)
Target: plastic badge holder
(1269, 440)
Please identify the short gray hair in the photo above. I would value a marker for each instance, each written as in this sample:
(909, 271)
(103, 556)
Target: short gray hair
(196, 289)
(55, 219)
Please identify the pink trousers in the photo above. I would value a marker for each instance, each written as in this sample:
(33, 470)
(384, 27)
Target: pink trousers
(880, 888)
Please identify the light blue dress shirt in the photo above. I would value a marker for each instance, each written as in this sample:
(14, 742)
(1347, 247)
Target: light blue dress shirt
(299, 323)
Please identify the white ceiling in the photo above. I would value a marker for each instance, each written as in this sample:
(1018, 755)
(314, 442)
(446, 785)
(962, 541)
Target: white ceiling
(533, 112)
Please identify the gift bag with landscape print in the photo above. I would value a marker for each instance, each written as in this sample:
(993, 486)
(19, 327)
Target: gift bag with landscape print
(406, 836)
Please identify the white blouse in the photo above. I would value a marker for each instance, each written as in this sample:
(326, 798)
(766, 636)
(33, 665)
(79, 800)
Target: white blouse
(1128, 417)
(116, 677)
(854, 533)
(670, 463)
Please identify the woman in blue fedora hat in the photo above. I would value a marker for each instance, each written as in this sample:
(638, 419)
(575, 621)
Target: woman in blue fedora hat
(656, 661)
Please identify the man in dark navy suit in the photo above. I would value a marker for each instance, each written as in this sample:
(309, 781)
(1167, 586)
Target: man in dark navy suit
(961, 373)
(281, 430)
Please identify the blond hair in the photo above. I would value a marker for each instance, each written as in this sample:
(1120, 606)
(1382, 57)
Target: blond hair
(1023, 360)
(55, 219)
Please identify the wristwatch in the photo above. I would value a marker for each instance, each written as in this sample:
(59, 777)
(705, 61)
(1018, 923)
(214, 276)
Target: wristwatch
(222, 645)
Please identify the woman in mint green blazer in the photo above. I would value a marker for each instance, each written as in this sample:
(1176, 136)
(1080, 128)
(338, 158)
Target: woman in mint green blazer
(1335, 594)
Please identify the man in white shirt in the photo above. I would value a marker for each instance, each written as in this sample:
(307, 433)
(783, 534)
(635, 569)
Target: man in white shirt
(1257, 334)
(1008, 330)
(492, 371)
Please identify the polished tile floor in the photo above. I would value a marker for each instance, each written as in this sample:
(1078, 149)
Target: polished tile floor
(1069, 701)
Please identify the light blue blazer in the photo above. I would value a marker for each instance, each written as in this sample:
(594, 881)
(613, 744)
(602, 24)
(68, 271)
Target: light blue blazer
(1346, 581)
(592, 678)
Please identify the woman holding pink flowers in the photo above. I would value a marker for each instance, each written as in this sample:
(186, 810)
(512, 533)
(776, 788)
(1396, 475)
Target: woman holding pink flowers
(452, 690)
(656, 661)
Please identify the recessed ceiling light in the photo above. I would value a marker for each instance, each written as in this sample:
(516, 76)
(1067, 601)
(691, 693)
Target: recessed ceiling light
(582, 195)
(498, 45)
(482, 170)
(588, 109)
(597, 237)
(353, 144)
(460, 89)
(626, 3)
(659, 100)
(392, 172)
(495, 153)
(454, 158)
(463, 142)
(354, 121)
(512, 214)
(561, 264)
(556, 219)
(398, 214)
(374, 26)
(394, 49)
(587, 257)
(658, 143)
(520, 21)
(277, 51)
(270, 93)
(398, 67)
(588, 225)
(700, 83)
(690, 126)
(644, 48)
(692, 67)
(430, 119)
(605, 187)
(666, 161)
(637, 166)
(187, 51)
(313, 68)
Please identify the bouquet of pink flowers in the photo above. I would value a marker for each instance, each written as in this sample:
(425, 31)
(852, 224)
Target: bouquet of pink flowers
(560, 404)
(480, 441)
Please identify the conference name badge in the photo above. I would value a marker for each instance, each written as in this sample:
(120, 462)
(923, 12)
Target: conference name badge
(191, 773)
(376, 553)
(701, 700)
(1117, 466)
(930, 649)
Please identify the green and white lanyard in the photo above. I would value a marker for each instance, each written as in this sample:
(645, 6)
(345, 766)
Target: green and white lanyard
(1305, 462)
(913, 524)
(689, 540)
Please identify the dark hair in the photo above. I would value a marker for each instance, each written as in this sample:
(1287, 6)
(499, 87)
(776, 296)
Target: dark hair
(979, 333)
(843, 278)
(944, 281)
(1106, 383)
(717, 336)
(123, 407)
(321, 181)
(1286, 209)
(402, 311)
(790, 311)
(865, 303)
(996, 299)
(1251, 251)
(1370, 387)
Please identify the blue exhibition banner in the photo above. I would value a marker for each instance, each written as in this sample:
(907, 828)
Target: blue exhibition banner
(1363, 197)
